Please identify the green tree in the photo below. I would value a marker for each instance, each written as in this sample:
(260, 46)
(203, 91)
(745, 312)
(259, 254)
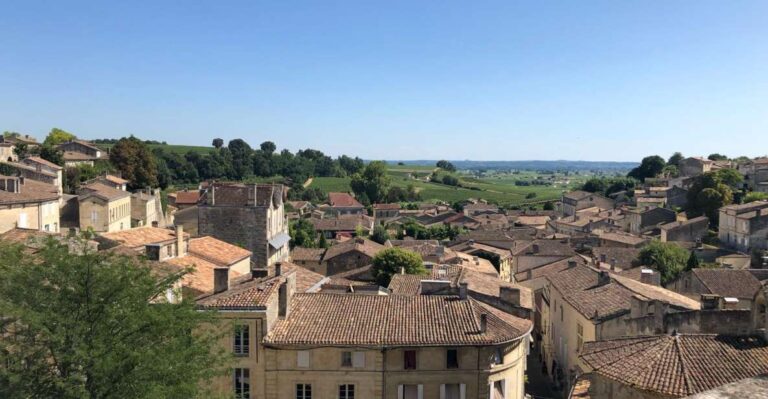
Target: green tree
(650, 166)
(693, 262)
(380, 234)
(135, 161)
(446, 166)
(549, 206)
(373, 183)
(675, 159)
(242, 160)
(711, 191)
(268, 147)
(94, 325)
(755, 196)
(669, 259)
(391, 261)
(717, 157)
(217, 143)
(57, 136)
(302, 234)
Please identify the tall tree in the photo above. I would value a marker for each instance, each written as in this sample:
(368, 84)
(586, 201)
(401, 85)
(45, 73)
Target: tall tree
(217, 143)
(717, 157)
(268, 147)
(666, 257)
(373, 183)
(302, 234)
(94, 325)
(380, 234)
(135, 161)
(650, 167)
(57, 136)
(675, 159)
(391, 261)
(445, 165)
(242, 161)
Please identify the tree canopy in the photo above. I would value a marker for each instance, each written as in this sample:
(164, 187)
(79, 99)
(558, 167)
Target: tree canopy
(391, 261)
(711, 191)
(666, 257)
(445, 165)
(96, 325)
(136, 163)
(372, 184)
(650, 166)
(302, 234)
(58, 136)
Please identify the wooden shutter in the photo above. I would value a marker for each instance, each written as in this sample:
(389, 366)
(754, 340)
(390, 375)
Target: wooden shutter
(358, 359)
(421, 391)
(302, 359)
(442, 391)
(400, 393)
(463, 391)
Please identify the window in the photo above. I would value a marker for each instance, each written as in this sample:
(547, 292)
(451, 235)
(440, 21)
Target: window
(302, 359)
(452, 359)
(242, 341)
(346, 359)
(303, 391)
(579, 336)
(411, 391)
(347, 391)
(242, 382)
(409, 360)
(497, 357)
(358, 360)
(498, 389)
(453, 391)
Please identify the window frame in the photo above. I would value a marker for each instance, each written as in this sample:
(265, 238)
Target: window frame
(346, 391)
(303, 391)
(410, 359)
(238, 383)
(244, 347)
(346, 359)
(452, 358)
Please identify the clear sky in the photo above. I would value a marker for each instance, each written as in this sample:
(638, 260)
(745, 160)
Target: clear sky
(484, 80)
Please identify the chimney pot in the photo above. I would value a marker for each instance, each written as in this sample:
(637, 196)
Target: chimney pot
(571, 264)
(155, 223)
(220, 280)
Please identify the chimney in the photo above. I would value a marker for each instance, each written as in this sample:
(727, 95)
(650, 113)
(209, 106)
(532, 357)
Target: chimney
(483, 322)
(155, 223)
(181, 248)
(571, 263)
(510, 295)
(613, 264)
(259, 273)
(463, 288)
(220, 279)
(603, 258)
(646, 276)
(535, 248)
(278, 269)
(603, 278)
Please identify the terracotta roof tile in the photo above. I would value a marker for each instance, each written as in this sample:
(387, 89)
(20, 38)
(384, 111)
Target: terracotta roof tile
(30, 191)
(141, 236)
(729, 282)
(343, 200)
(217, 251)
(102, 191)
(307, 254)
(187, 197)
(367, 247)
(372, 320)
(678, 365)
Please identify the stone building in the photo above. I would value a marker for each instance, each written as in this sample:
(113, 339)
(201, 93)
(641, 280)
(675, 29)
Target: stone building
(247, 215)
(344, 204)
(147, 208)
(103, 208)
(641, 220)
(756, 174)
(28, 204)
(744, 227)
(38, 169)
(385, 212)
(691, 230)
(578, 200)
(738, 287)
(78, 152)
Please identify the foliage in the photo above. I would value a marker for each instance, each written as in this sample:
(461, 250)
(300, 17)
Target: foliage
(755, 196)
(372, 184)
(668, 258)
(693, 262)
(450, 180)
(711, 191)
(58, 136)
(549, 206)
(302, 234)
(311, 194)
(446, 166)
(650, 166)
(90, 325)
(268, 147)
(391, 261)
(135, 162)
(217, 143)
(379, 234)
(675, 159)
(530, 195)
(609, 185)
(717, 157)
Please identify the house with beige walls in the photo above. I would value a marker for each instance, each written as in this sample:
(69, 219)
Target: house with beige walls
(104, 208)
(28, 204)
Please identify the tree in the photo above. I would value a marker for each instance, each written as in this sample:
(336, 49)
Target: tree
(650, 166)
(268, 147)
(549, 206)
(755, 196)
(675, 159)
(711, 191)
(51, 154)
(302, 234)
(372, 183)
(242, 162)
(449, 180)
(95, 325)
(391, 261)
(217, 143)
(717, 157)
(693, 262)
(57, 136)
(380, 234)
(668, 258)
(446, 166)
(135, 161)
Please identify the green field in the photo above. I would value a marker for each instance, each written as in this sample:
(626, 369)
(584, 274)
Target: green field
(499, 190)
(172, 148)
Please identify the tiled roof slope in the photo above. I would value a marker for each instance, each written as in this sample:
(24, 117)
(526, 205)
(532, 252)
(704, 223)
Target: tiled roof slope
(140, 236)
(362, 245)
(729, 282)
(343, 200)
(678, 365)
(217, 251)
(30, 191)
(370, 320)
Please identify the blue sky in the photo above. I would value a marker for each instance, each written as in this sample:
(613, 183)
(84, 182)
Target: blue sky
(489, 80)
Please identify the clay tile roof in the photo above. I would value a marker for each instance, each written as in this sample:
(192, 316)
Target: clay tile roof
(115, 179)
(548, 269)
(217, 251)
(31, 191)
(307, 254)
(201, 279)
(729, 282)
(187, 197)
(622, 238)
(343, 223)
(372, 320)
(625, 257)
(102, 191)
(42, 161)
(305, 278)
(244, 293)
(343, 200)
(545, 248)
(678, 365)
(141, 236)
(368, 247)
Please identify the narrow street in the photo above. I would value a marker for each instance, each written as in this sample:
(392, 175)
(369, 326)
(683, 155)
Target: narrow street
(538, 385)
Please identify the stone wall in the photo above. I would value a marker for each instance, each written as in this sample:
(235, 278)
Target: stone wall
(242, 226)
(348, 261)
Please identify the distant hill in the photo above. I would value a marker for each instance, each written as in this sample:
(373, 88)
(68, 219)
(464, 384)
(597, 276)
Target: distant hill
(530, 165)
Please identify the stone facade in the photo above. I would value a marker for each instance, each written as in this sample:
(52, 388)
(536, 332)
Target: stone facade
(685, 231)
(744, 227)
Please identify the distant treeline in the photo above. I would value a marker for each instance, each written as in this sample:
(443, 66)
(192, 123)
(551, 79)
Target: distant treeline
(533, 165)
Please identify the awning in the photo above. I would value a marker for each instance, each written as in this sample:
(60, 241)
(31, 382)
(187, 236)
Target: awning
(279, 240)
